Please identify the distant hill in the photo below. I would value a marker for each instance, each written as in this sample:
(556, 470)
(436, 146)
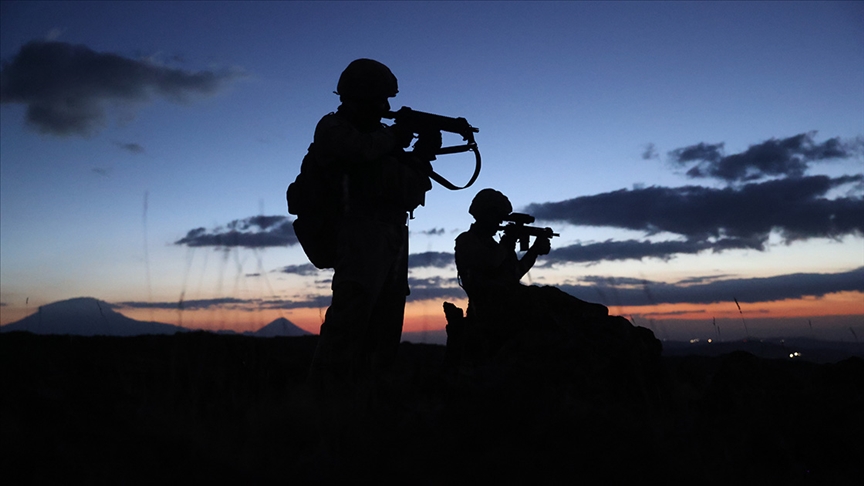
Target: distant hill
(86, 316)
(279, 327)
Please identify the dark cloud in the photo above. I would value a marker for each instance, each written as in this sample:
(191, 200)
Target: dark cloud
(311, 301)
(650, 152)
(430, 282)
(702, 279)
(307, 302)
(791, 286)
(615, 281)
(67, 88)
(131, 147)
(226, 302)
(434, 259)
(785, 157)
(305, 270)
(637, 250)
(701, 152)
(609, 291)
(660, 315)
(433, 232)
(254, 232)
(434, 288)
(708, 218)
(442, 294)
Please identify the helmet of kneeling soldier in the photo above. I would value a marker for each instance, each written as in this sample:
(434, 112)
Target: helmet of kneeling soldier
(490, 205)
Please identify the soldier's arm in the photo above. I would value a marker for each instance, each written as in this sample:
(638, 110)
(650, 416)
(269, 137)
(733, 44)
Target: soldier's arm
(541, 246)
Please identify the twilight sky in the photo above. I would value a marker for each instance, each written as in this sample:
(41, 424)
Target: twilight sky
(689, 154)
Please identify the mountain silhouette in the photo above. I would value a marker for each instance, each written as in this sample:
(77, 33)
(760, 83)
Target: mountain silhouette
(280, 327)
(86, 316)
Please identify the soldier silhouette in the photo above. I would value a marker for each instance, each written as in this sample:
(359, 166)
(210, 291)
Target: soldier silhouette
(379, 184)
(499, 306)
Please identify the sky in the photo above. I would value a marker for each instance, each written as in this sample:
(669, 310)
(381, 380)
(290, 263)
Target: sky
(703, 162)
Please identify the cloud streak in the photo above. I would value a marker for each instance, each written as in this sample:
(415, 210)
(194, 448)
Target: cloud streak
(304, 270)
(224, 302)
(131, 147)
(610, 250)
(791, 286)
(67, 88)
(249, 305)
(277, 231)
(433, 232)
(707, 218)
(252, 232)
(788, 157)
(434, 288)
(611, 291)
(430, 259)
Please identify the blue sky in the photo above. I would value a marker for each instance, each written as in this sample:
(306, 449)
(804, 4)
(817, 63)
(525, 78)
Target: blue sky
(574, 101)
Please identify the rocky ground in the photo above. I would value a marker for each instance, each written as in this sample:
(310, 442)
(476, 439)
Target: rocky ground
(200, 407)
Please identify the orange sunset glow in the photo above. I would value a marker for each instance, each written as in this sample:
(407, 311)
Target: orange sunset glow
(425, 316)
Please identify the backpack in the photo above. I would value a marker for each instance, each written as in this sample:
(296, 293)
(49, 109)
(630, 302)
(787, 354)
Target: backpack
(315, 197)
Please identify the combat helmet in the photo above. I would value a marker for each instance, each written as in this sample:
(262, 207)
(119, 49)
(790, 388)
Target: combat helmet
(490, 205)
(367, 79)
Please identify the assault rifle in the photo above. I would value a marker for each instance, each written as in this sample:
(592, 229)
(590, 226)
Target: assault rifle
(523, 234)
(420, 122)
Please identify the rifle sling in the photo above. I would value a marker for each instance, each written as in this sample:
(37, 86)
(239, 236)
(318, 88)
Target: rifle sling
(452, 150)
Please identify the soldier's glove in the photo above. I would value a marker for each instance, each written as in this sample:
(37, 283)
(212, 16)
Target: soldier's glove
(541, 246)
(403, 135)
(508, 240)
(428, 143)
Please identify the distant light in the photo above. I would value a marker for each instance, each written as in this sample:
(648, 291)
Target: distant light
(796, 354)
(694, 341)
(710, 340)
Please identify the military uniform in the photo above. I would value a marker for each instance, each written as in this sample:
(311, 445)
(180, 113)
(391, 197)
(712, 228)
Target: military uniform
(363, 325)
(499, 306)
(489, 272)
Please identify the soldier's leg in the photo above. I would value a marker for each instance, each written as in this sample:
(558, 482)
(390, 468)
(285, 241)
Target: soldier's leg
(385, 331)
(357, 281)
(342, 331)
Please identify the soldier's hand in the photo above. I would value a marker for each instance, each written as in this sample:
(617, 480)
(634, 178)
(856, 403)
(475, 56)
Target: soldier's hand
(508, 240)
(542, 246)
(428, 144)
(403, 135)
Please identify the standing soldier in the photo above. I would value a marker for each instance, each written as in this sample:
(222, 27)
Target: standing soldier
(378, 184)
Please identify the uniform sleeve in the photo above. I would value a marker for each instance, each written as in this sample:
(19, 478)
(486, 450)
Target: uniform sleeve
(482, 265)
(338, 139)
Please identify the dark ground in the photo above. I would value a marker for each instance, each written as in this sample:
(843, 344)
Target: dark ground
(200, 407)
